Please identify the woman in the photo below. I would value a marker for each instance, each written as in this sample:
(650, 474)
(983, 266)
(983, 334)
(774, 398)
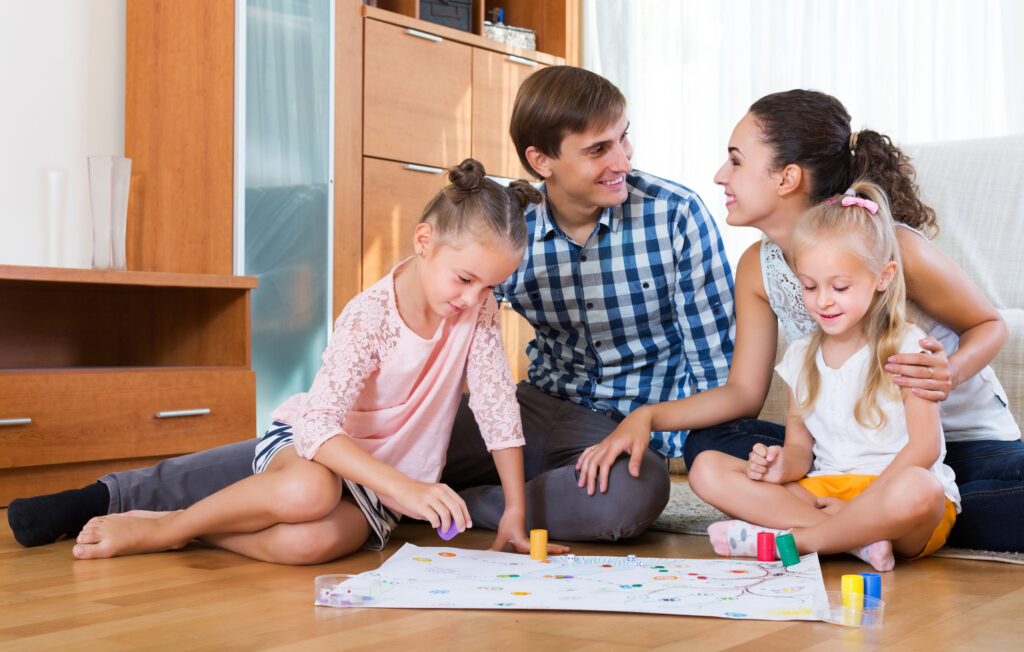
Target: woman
(791, 151)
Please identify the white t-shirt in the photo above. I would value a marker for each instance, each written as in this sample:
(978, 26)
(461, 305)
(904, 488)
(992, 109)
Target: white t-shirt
(841, 444)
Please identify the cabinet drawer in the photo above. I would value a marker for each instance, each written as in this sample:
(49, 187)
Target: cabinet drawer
(82, 415)
(390, 216)
(496, 80)
(417, 97)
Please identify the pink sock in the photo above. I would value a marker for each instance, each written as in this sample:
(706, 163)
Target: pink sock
(737, 538)
(878, 554)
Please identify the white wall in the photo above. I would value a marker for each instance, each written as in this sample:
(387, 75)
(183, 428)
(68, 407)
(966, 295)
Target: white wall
(61, 99)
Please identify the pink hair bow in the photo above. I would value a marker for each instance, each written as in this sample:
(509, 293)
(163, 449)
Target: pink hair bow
(850, 200)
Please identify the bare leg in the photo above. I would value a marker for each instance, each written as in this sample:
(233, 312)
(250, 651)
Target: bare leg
(721, 480)
(905, 509)
(292, 490)
(340, 533)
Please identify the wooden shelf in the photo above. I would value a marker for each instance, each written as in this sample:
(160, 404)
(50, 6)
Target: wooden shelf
(119, 277)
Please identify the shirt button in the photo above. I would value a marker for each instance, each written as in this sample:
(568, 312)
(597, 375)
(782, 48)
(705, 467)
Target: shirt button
(646, 285)
(597, 344)
(589, 305)
(583, 257)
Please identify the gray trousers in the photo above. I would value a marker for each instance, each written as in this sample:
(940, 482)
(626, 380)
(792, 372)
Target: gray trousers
(556, 432)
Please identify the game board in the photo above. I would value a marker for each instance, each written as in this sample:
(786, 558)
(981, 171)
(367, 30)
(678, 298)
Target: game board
(453, 578)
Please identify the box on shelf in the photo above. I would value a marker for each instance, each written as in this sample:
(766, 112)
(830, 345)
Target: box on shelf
(450, 13)
(517, 36)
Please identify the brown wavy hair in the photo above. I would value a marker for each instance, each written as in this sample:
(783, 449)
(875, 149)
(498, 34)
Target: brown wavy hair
(812, 129)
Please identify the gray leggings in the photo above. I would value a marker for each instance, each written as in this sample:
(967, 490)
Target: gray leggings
(556, 432)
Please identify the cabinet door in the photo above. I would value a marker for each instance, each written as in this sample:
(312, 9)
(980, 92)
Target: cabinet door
(516, 333)
(496, 80)
(394, 196)
(417, 98)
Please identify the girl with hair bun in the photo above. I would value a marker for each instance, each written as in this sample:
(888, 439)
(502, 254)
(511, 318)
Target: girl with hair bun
(862, 466)
(342, 463)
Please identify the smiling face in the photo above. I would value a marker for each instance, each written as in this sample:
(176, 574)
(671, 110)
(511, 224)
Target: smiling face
(751, 186)
(589, 173)
(838, 288)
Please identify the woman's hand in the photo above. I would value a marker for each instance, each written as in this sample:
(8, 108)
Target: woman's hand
(632, 436)
(434, 502)
(765, 463)
(928, 375)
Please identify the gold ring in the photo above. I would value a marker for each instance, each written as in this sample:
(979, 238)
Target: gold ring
(931, 372)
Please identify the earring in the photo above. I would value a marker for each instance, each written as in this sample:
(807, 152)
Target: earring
(419, 252)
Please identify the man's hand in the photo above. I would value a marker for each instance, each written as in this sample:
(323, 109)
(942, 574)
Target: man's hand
(632, 437)
(765, 463)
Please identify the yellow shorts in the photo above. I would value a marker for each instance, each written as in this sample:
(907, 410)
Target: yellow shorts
(846, 487)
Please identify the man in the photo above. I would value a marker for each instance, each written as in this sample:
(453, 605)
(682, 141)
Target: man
(627, 286)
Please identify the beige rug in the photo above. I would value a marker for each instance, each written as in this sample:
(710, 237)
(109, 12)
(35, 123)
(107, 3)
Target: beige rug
(688, 514)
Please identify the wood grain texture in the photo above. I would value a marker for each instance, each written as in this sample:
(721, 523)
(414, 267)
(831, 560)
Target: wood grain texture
(179, 122)
(516, 333)
(496, 80)
(393, 202)
(348, 154)
(417, 102)
(205, 598)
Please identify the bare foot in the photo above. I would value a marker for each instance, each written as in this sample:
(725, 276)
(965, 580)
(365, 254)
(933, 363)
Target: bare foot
(115, 535)
(878, 554)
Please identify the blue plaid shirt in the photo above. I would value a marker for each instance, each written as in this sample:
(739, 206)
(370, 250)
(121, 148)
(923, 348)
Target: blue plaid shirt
(641, 313)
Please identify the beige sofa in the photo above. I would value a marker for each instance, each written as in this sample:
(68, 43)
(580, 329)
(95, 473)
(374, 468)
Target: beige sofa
(977, 190)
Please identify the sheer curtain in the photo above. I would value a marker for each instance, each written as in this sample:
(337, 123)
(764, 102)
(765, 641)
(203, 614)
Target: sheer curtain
(917, 70)
(287, 150)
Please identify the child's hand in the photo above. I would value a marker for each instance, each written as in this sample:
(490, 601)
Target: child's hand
(512, 530)
(434, 502)
(765, 464)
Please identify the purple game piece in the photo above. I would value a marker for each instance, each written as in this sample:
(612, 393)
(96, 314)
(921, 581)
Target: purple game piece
(452, 530)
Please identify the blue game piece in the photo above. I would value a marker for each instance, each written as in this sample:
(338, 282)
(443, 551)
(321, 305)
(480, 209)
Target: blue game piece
(872, 585)
(452, 530)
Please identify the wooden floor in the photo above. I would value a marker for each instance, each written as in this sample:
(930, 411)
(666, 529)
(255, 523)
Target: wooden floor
(206, 598)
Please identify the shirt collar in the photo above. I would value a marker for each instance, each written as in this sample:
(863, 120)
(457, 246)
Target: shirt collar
(610, 220)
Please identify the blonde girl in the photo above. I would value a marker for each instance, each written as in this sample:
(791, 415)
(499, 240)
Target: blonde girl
(344, 462)
(862, 466)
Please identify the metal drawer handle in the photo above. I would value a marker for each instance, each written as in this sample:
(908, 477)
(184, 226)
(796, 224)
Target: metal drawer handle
(14, 422)
(423, 168)
(526, 62)
(181, 413)
(424, 35)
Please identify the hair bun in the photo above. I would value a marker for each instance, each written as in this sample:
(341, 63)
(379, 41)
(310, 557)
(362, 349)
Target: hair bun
(466, 177)
(525, 193)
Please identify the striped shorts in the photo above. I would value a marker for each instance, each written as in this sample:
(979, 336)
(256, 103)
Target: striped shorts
(381, 519)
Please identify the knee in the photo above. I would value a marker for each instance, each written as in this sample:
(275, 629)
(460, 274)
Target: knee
(915, 493)
(705, 473)
(306, 493)
(301, 544)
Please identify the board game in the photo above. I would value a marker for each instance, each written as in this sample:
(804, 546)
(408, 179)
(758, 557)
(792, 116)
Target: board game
(453, 578)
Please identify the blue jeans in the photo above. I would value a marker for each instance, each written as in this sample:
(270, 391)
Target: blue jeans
(990, 475)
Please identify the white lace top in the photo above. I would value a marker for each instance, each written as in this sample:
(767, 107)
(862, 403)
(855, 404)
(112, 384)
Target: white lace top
(976, 410)
(395, 394)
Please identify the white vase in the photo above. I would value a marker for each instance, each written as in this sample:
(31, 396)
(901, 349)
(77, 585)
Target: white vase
(109, 178)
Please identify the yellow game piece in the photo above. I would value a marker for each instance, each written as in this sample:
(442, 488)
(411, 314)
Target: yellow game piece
(539, 545)
(853, 599)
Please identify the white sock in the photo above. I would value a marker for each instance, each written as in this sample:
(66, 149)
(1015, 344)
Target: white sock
(878, 554)
(737, 538)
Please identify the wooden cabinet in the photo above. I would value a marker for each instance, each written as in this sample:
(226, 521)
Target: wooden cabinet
(496, 80)
(103, 370)
(417, 101)
(431, 96)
